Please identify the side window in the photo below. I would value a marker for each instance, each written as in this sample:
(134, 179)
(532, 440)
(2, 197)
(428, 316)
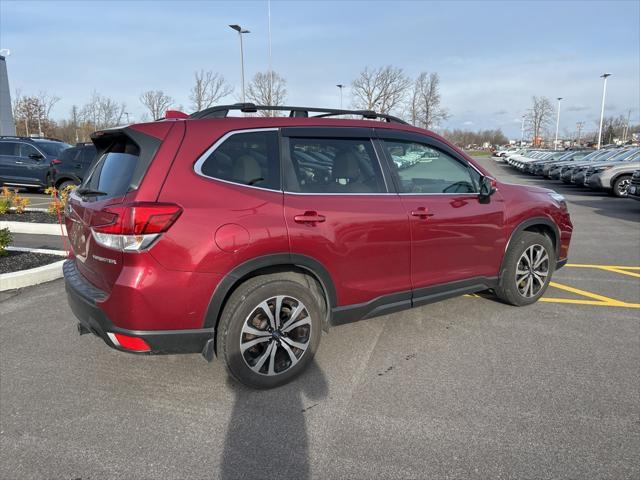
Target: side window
(334, 165)
(8, 148)
(88, 154)
(26, 150)
(249, 158)
(423, 169)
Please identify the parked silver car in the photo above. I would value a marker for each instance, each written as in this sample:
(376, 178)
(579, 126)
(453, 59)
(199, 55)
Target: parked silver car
(614, 177)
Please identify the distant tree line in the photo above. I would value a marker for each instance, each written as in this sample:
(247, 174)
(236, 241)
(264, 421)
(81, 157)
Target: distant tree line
(386, 89)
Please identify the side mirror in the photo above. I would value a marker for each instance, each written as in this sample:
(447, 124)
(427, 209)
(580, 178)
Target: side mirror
(488, 187)
(35, 156)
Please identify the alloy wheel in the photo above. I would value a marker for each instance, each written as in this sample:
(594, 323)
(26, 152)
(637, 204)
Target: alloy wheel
(275, 335)
(532, 271)
(623, 186)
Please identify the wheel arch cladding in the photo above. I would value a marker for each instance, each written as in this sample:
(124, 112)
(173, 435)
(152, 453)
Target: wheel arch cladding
(266, 265)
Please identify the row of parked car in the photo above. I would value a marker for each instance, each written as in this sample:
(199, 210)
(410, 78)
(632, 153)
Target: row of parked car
(37, 163)
(612, 169)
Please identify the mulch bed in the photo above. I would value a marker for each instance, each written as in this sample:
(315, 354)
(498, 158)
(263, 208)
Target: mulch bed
(16, 261)
(30, 217)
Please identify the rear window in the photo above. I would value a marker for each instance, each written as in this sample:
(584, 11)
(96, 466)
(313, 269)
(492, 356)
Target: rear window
(114, 170)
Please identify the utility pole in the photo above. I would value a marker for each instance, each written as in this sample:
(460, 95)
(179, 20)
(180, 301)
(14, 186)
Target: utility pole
(240, 31)
(522, 130)
(340, 86)
(604, 93)
(626, 128)
(579, 125)
(555, 145)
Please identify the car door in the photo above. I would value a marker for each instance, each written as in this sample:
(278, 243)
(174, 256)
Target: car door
(8, 157)
(339, 211)
(455, 236)
(31, 165)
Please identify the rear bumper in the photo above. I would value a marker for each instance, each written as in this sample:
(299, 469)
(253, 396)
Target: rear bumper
(83, 298)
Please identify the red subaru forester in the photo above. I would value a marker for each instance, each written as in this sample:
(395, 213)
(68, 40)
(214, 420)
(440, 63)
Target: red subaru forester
(246, 237)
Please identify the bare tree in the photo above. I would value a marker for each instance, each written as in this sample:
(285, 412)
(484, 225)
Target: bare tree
(381, 89)
(48, 102)
(267, 88)
(209, 87)
(424, 106)
(157, 102)
(102, 112)
(539, 117)
(33, 113)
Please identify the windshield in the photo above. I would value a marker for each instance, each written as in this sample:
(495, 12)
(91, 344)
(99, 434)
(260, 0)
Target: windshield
(623, 155)
(53, 148)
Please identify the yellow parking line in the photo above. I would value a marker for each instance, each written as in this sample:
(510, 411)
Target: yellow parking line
(621, 271)
(584, 293)
(580, 265)
(595, 303)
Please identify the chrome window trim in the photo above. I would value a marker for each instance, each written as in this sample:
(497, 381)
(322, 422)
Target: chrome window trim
(197, 167)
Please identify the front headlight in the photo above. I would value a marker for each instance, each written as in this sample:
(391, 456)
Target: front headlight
(559, 199)
(603, 169)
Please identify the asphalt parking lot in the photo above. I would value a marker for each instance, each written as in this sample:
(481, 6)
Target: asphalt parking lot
(465, 388)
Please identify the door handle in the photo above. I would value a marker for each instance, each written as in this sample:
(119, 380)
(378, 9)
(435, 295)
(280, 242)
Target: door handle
(19, 163)
(422, 213)
(309, 217)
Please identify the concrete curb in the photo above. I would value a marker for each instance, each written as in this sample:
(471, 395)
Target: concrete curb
(33, 228)
(32, 276)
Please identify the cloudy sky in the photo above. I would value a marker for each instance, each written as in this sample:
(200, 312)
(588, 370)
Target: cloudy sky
(491, 56)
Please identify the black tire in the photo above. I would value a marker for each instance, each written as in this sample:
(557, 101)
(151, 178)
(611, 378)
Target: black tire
(509, 289)
(245, 302)
(621, 185)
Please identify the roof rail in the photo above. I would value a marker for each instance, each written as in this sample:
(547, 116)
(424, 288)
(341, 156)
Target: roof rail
(221, 111)
(22, 137)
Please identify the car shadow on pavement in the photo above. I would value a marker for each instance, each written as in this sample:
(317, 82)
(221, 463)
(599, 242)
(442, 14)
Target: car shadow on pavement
(267, 434)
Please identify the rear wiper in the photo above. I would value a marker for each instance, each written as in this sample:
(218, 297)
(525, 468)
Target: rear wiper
(88, 192)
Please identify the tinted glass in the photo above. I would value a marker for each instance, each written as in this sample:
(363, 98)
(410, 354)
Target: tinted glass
(247, 159)
(423, 169)
(88, 154)
(112, 174)
(334, 165)
(69, 155)
(8, 148)
(26, 150)
(53, 148)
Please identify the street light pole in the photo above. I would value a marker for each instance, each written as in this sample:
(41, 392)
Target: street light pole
(522, 131)
(604, 93)
(240, 31)
(555, 145)
(579, 125)
(340, 86)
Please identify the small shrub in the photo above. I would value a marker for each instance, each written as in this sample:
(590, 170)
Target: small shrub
(6, 200)
(5, 241)
(19, 203)
(59, 199)
(11, 199)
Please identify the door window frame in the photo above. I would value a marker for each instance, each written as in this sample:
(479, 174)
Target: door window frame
(351, 133)
(400, 136)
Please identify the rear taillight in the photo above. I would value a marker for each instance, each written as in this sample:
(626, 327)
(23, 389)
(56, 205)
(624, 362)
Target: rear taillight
(134, 226)
(55, 161)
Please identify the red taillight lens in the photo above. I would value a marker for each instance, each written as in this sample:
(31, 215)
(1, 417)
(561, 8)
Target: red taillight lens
(55, 161)
(134, 344)
(136, 218)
